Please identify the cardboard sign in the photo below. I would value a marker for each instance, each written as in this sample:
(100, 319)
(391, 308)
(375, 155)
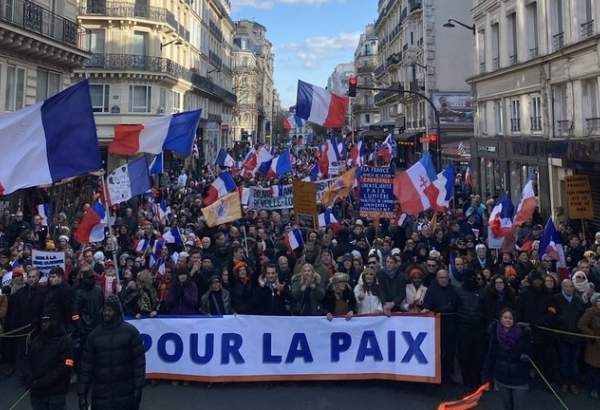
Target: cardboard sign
(45, 261)
(305, 203)
(579, 197)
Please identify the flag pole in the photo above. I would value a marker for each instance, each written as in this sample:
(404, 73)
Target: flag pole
(110, 231)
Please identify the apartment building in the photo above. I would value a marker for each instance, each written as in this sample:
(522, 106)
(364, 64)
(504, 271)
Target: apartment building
(156, 57)
(536, 91)
(417, 53)
(253, 82)
(41, 43)
(364, 111)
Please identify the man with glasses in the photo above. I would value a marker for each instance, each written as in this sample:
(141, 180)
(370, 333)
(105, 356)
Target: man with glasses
(431, 268)
(393, 285)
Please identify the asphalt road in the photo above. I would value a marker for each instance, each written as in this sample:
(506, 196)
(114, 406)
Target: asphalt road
(302, 396)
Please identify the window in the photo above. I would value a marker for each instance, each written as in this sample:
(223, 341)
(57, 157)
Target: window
(515, 116)
(100, 94)
(139, 98)
(532, 30)
(482, 117)
(15, 88)
(558, 35)
(499, 116)
(367, 118)
(495, 45)
(176, 102)
(561, 109)
(536, 113)
(48, 84)
(587, 18)
(140, 41)
(512, 38)
(590, 104)
(96, 41)
(481, 46)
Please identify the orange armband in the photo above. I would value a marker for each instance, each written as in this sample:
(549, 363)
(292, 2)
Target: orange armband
(69, 362)
(75, 317)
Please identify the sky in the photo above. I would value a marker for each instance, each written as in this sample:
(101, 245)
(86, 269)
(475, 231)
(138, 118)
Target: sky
(310, 37)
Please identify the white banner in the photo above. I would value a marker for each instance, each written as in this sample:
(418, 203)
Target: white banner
(253, 348)
(45, 261)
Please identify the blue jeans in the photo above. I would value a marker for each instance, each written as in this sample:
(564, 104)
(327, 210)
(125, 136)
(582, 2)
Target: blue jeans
(569, 355)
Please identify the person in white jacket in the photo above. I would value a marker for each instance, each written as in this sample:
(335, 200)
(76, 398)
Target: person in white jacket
(367, 293)
(415, 290)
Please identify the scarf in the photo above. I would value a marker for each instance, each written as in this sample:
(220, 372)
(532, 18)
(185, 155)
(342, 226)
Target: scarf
(569, 298)
(508, 340)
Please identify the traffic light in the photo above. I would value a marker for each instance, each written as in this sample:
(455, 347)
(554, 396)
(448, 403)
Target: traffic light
(352, 83)
(433, 138)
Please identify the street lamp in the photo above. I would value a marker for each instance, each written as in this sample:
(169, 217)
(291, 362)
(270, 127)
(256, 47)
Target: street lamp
(451, 24)
(177, 42)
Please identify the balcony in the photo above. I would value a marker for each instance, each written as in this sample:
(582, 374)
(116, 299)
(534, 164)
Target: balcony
(32, 17)
(533, 52)
(380, 70)
(496, 63)
(536, 123)
(133, 62)
(129, 10)
(515, 125)
(563, 127)
(587, 29)
(384, 95)
(558, 41)
(365, 68)
(395, 58)
(593, 125)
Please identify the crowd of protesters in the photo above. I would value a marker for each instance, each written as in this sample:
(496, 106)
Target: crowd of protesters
(496, 307)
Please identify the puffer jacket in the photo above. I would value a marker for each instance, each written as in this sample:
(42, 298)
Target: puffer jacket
(113, 366)
(507, 366)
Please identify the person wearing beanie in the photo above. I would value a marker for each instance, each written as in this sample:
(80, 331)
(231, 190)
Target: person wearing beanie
(589, 324)
(339, 298)
(415, 289)
(216, 301)
(48, 362)
(113, 365)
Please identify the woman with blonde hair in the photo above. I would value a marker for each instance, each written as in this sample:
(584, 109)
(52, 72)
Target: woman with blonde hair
(307, 292)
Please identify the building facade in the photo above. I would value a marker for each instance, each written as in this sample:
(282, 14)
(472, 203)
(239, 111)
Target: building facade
(253, 82)
(156, 57)
(417, 53)
(337, 83)
(364, 111)
(41, 43)
(536, 90)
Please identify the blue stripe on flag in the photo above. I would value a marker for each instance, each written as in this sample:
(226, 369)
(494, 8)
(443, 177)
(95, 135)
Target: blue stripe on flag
(182, 130)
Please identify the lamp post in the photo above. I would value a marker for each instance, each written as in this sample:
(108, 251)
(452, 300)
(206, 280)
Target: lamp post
(176, 42)
(451, 23)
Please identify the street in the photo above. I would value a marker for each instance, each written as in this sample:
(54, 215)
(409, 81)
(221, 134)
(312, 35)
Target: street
(380, 395)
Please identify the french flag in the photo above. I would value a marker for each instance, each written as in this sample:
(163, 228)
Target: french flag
(163, 209)
(551, 245)
(292, 121)
(224, 159)
(327, 218)
(174, 132)
(468, 184)
(317, 105)
(414, 187)
(155, 258)
(49, 141)
(250, 161)
(313, 174)
(387, 150)
(295, 239)
(156, 166)
(358, 154)
(221, 186)
(91, 227)
(142, 245)
(329, 156)
(280, 165)
(500, 221)
(445, 186)
(263, 160)
(277, 190)
(128, 180)
(527, 205)
(43, 211)
(173, 236)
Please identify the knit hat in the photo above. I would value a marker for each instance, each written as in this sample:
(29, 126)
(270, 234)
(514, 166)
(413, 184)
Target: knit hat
(99, 256)
(414, 271)
(339, 277)
(63, 238)
(356, 254)
(595, 297)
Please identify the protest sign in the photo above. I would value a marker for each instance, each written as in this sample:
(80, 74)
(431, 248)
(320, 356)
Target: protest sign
(377, 199)
(579, 197)
(253, 348)
(45, 261)
(305, 203)
(263, 198)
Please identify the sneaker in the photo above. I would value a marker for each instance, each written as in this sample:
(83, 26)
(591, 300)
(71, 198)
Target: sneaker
(564, 389)
(594, 394)
(574, 389)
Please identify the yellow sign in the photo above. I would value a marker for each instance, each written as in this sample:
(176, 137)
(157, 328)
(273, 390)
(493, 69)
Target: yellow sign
(579, 197)
(225, 209)
(305, 197)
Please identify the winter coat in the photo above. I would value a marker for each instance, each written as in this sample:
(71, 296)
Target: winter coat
(3, 308)
(329, 301)
(393, 289)
(182, 298)
(61, 298)
(367, 301)
(567, 315)
(87, 307)
(307, 301)
(241, 297)
(532, 308)
(589, 324)
(25, 307)
(470, 307)
(268, 301)
(507, 366)
(205, 303)
(129, 300)
(48, 362)
(113, 365)
(493, 302)
(414, 297)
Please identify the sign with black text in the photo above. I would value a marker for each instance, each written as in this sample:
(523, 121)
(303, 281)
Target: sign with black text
(377, 199)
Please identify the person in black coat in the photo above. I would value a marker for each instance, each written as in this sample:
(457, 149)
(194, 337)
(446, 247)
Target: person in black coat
(113, 365)
(441, 298)
(497, 296)
(507, 360)
(271, 297)
(392, 284)
(48, 363)
(339, 299)
(60, 296)
(87, 306)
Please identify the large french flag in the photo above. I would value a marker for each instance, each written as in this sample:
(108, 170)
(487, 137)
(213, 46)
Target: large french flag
(280, 165)
(551, 245)
(527, 205)
(414, 187)
(329, 155)
(500, 220)
(220, 187)
(263, 160)
(49, 141)
(224, 159)
(317, 105)
(445, 186)
(174, 132)
(128, 180)
(91, 227)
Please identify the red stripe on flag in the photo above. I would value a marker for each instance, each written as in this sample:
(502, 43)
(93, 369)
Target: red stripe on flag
(127, 140)
(338, 107)
(407, 195)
